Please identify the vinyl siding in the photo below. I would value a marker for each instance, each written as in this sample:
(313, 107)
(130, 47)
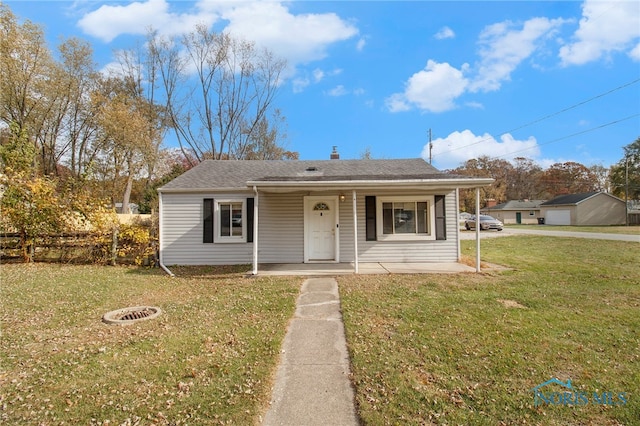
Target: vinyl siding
(182, 230)
(409, 251)
(281, 228)
(281, 233)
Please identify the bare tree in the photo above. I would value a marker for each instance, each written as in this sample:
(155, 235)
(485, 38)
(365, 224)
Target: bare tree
(219, 93)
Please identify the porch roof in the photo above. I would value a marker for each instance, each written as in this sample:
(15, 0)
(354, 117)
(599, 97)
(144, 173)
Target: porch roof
(290, 175)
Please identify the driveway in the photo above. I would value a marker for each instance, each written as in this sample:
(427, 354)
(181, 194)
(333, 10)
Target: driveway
(471, 235)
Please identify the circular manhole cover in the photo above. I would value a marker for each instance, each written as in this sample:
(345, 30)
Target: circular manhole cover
(130, 315)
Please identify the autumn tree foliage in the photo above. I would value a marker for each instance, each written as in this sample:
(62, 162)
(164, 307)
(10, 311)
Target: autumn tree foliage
(105, 128)
(625, 174)
(485, 167)
(566, 178)
(29, 203)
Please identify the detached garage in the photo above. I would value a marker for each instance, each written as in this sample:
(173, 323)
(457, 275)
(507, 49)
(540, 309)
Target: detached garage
(589, 208)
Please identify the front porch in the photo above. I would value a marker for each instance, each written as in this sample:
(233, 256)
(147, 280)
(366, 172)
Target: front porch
(332, 269)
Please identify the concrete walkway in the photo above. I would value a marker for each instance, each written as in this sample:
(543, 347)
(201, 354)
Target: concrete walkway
(312, 382)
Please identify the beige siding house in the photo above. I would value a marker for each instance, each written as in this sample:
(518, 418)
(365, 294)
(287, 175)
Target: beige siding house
(326, 211)
(516, 211)
(589, 208)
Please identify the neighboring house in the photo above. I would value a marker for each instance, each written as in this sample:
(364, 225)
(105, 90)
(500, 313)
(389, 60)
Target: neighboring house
(281, 211)
(589, 208)
(515, 211)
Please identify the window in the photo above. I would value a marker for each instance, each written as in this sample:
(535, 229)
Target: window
(405, 218)
(231, 221)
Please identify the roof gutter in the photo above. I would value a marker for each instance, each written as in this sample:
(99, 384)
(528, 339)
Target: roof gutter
(452, 183)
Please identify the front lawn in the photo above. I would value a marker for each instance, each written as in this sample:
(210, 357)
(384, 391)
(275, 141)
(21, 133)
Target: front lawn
(208, 359)
(468, 349)
(630, 230)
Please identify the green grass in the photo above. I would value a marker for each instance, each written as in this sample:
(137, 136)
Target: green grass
(208, 359)
(631, 230)
(468, 349)
(425, 349)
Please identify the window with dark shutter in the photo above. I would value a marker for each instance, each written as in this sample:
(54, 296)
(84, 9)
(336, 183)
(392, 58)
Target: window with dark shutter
(441, 222)
(250, 205)
(370, 217)
(207, 235)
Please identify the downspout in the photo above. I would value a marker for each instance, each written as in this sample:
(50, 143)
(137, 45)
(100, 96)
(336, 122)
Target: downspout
(255, 231)
(161, 251)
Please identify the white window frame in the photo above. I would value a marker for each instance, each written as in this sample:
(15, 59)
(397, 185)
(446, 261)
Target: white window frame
(219, 238)
(431, 218)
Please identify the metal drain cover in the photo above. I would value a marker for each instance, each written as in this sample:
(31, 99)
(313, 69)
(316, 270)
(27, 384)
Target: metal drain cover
(130, 315)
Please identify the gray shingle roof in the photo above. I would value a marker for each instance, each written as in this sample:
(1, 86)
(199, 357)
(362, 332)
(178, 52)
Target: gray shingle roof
(569, 199)
(232, 174)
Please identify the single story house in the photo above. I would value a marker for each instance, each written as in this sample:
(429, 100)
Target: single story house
(588, 208)
(515, 211)
(326, 211)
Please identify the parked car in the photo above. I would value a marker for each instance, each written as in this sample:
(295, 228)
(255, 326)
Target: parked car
(486, 222)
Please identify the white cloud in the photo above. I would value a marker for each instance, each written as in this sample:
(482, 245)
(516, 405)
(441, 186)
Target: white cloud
(433, 89)
(299, 84)
(444, 33)
(300, 39)
(339, 90)
(605, 27)
(635, 53)
(503, 48)
(361, 43)
(108, 22)
(458, 147)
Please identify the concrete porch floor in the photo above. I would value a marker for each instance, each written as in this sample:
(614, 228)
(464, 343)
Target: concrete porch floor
(332, 269)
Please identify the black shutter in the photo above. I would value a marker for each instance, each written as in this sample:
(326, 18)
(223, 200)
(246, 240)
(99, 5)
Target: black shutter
(441, 222)
(370, 217)
(249, 220)
(207, 235)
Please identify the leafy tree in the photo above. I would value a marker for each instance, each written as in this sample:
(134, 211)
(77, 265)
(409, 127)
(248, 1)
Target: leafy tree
(29, 203)
(23, 71)
(484, 166)
(522, 180)
(566, 178)
(129, 135)
(625, 174)
(601, 174)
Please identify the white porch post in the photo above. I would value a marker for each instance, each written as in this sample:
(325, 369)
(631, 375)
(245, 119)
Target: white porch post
(355, 231)
(478, 229)
(458, 222)
(255, 231)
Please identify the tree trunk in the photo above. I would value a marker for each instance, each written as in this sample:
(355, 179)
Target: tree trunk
(127, 193)
(114, 246)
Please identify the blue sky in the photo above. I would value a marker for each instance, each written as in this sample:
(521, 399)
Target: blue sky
(550, 81)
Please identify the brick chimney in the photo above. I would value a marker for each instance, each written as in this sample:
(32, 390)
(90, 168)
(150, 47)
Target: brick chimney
(334, 154)
(491, 203)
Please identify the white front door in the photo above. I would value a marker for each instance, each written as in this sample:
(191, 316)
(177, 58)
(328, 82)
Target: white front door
(321, 229)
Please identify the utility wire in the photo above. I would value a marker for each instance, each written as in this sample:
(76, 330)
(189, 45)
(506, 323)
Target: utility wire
(546, 117)
(611, 123)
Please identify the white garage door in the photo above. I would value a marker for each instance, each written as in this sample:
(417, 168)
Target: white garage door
(557, 217)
